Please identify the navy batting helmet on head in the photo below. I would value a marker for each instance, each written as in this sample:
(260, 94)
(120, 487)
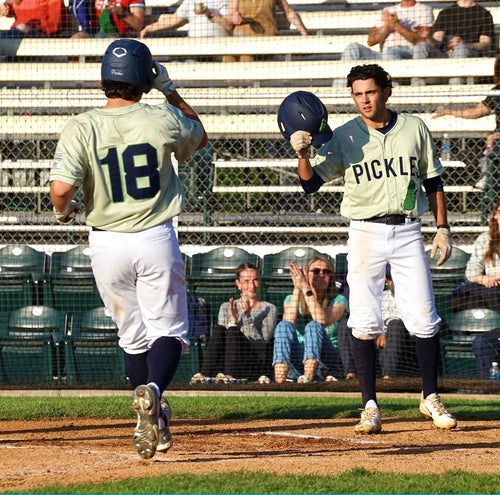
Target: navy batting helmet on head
(304, 111)
(128, 61)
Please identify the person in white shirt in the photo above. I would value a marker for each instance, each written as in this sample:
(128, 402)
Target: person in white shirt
(206, 19)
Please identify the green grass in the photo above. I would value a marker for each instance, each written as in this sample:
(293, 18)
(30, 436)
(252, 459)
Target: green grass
(236, 407)
(353, 481)
(265, 407)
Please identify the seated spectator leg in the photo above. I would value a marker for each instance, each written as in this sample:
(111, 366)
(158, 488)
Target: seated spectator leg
(314, 336)
(286, 352)
(346, 349)
(357, 51)
(461, 51)
(241, 360)
(213, 361)
(486, 349)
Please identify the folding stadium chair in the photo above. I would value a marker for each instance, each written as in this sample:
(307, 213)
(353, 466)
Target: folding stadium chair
(29, 348)
(71, 283)
(456, 345)
(21, 268)
(446, 277)
(91, 349)
(276, 280)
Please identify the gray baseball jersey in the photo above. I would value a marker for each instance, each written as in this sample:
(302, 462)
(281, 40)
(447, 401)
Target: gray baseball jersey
(374, 187)
(122, 158)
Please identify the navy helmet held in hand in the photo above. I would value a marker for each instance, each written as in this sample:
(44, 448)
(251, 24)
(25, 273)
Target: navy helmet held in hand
(304, 111)
(128, 61)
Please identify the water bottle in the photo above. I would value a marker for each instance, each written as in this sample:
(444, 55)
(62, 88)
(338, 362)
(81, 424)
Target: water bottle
(446, 148)
(495, 371)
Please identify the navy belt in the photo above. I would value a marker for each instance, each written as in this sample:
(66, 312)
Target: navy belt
(389, 219)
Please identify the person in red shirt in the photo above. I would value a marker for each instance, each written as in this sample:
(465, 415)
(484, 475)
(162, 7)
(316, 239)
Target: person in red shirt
(116, 18)
(34, 18)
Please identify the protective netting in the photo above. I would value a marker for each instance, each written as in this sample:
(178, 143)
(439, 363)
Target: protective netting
(241, 191)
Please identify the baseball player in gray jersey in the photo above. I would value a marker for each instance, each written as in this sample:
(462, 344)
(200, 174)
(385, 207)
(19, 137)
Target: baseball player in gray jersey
(385, 158)
(121, 155)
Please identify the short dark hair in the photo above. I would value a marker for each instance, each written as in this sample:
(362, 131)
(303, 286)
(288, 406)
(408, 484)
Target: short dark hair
(370, 71)
(126, 91)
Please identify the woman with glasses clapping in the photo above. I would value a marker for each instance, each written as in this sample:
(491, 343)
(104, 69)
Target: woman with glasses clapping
(306, 337)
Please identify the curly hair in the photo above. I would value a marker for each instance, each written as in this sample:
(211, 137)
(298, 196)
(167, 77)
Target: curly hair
(331, 290)
(126, 91)
(494, 244)
(370, 71)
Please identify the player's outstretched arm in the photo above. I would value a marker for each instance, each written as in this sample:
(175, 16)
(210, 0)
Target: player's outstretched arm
(442, 239)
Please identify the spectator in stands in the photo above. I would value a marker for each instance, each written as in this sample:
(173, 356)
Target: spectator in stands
(85, 14)
(464, 29)
(313, 348)
(490, 105)
(240, 342)
(258, 18)
(209, 19)
(115, 18)
(483, 271)
(34, 18)
(403, 32)
(394, 344)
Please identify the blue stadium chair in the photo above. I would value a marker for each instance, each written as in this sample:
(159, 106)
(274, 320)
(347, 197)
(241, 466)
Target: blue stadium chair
(71, 283)
(21, 270)
(91, 349)
(29, 347)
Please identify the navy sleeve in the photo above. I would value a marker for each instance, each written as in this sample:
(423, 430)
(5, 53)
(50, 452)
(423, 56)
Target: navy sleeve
(433, 185)
(313, 184)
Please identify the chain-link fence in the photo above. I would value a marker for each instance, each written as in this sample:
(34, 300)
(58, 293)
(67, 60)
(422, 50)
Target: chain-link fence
(242, 191)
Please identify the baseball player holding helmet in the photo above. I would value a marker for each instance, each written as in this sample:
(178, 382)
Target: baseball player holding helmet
(385, 158)
(121, 155)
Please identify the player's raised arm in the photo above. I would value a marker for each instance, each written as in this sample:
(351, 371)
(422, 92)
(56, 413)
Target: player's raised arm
(163, 83)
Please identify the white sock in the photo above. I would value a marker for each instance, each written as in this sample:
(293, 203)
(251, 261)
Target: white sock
(431, 395)
(371, 403)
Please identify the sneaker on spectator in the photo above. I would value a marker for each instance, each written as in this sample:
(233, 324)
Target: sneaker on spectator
(370, 421)
(165, 440)
(330, 378)
(481, 183)
(433, 408)
(221, 378)
(303, 379)
(264, 380)
(147, 406)
(197, 378)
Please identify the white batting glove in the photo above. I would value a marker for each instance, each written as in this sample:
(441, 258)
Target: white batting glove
(300, 141)
(162, 81)
(442, 241)
(66, 216)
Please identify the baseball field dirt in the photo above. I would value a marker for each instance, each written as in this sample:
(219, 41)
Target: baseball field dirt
(38, 453)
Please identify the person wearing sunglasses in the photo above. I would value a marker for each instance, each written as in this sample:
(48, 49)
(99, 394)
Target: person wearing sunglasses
(305, 340)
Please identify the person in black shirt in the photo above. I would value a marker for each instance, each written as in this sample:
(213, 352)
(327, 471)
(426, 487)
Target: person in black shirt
(464, 29)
